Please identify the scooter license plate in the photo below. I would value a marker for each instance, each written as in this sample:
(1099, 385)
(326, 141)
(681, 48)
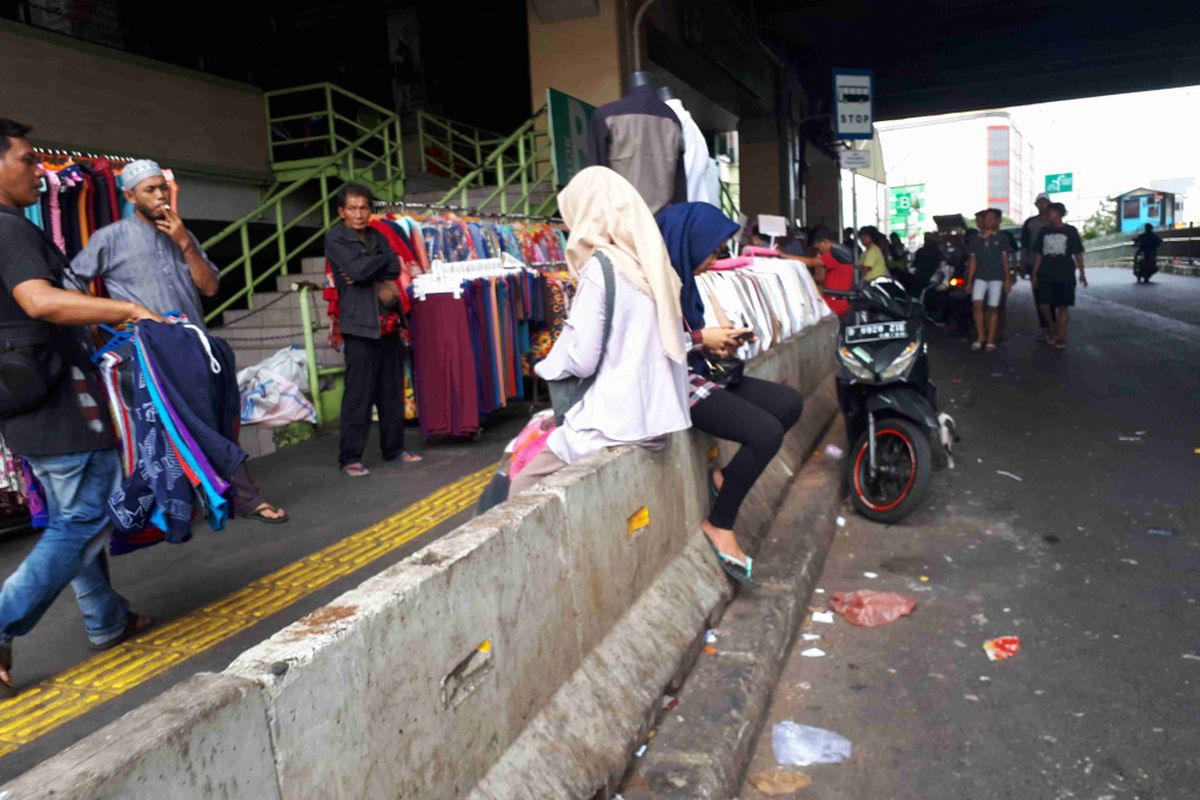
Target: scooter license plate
(875, 332)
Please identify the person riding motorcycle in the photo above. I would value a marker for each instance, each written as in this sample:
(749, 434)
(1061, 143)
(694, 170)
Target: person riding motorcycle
(1146, 246)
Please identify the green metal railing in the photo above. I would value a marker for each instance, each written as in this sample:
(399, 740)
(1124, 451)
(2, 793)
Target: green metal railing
(276, 252)
(315, 371)
(306, 125)
(522, 160)
(330, 158)
(728, 204)
(452, 149)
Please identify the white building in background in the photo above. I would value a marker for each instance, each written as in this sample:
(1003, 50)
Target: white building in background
(958, 164)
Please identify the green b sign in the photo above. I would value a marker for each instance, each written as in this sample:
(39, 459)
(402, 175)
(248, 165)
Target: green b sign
(1061, 182)
(906, 206)
(569, 120)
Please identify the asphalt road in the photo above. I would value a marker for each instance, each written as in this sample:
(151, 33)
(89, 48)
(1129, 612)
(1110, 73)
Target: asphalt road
(1103, 701)
(168, 581)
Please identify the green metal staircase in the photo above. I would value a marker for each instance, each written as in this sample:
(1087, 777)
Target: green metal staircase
(320, 138)
(506, 174)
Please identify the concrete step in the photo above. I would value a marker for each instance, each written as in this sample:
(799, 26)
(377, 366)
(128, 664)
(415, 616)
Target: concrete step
(249, 355)
(312, 265)
(257, 441)
(277, 316)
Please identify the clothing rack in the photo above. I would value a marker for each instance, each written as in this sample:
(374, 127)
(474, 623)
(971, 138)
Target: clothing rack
(404, 206)
(446, 277)
(51, 152)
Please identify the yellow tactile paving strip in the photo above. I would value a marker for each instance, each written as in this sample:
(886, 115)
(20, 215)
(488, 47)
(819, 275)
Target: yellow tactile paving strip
(73, 693)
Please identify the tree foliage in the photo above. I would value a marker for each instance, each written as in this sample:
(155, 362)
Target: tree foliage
(1103, 220)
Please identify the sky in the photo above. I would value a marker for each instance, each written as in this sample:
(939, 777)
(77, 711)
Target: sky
(1115, 143)
(1110, 144)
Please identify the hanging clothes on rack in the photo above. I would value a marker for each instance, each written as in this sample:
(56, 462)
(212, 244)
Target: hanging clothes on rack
(80, 195)
(472, 323)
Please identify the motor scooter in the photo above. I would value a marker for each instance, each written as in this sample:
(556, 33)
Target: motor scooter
(1144, 266)
(888, 400)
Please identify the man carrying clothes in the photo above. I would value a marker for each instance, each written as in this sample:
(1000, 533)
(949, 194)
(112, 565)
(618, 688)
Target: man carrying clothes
(988, 278)
(1057, 251)
(365, 269)
(153, 260)
(1029, 236)
(52, 414)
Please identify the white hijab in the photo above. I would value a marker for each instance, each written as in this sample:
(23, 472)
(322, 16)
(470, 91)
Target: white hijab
(604, 211)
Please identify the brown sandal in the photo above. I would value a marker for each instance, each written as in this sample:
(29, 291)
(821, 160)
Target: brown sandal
(134, 624)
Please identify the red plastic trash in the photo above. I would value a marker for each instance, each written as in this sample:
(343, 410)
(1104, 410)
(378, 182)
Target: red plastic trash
(870, 609)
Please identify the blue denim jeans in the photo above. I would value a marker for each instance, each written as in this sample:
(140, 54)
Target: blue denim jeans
(71, 549)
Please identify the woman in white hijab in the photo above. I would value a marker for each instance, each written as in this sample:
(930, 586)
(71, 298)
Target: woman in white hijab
(640, 392)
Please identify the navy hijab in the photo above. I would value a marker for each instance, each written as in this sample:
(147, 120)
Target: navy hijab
(692, 231)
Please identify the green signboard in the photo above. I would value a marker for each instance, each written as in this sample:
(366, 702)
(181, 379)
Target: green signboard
(1060, 182)
(906, 207)
(569, 120)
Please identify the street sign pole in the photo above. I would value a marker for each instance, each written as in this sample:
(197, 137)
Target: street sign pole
(853, 118)
(854, 201)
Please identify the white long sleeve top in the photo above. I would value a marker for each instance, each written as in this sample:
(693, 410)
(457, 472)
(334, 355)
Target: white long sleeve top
(639, 395)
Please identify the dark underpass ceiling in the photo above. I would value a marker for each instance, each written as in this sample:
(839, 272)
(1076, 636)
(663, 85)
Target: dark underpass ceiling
(942, 56)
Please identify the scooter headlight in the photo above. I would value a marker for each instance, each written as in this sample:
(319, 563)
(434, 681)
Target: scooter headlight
(902, 362)
(856, 367)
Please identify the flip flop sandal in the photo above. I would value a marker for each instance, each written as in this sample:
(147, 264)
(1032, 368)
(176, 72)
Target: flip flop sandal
(734, 567)
(262, 517)
(134, 624)
(6, 661)
(713, 491)
(355, 471)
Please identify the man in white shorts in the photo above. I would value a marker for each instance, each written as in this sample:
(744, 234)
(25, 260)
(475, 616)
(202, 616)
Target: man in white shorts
(988, 278)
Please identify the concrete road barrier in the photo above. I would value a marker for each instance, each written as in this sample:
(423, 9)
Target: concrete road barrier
(207, 737)
(520, 655)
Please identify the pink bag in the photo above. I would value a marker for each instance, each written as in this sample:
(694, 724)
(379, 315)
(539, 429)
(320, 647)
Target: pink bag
(870, 609)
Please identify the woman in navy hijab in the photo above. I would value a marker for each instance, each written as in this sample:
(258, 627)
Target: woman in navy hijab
(754, 413)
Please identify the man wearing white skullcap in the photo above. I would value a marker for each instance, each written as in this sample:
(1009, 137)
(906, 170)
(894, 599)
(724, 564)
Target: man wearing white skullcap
(152, 259)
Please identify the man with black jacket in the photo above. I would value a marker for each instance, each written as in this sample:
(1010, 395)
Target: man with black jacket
(52, 414)
(365, 269)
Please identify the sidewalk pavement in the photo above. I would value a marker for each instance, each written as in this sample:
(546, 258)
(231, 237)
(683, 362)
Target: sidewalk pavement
(701, 745)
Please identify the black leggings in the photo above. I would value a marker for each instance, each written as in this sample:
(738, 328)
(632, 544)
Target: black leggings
(756, 414)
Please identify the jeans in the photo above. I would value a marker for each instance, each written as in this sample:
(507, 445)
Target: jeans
(756, 414)
(70, 550)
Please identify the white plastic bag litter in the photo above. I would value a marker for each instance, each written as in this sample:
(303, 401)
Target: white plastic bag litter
(290, 362)
(271, 400)
(801, 745)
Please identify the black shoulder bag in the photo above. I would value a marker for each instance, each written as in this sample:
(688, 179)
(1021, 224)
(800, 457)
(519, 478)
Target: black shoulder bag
(566, 392)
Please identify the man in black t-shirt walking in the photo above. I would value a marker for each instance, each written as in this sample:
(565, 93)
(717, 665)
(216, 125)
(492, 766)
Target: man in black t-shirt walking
(53, 414)
(1057, 252)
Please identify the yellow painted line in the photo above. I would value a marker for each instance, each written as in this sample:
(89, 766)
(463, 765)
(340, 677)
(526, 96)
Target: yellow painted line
(73, 693)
